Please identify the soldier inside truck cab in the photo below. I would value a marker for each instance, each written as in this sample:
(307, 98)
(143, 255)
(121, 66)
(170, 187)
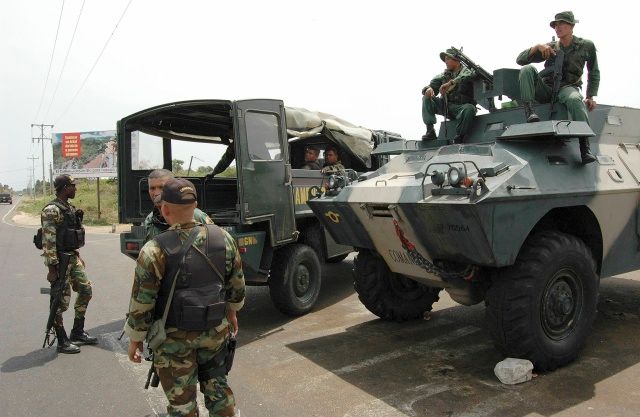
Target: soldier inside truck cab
(311, 154)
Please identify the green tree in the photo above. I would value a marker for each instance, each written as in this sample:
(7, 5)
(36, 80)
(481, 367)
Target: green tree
(176, 165)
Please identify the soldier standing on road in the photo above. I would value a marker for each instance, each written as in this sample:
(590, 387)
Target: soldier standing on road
(577, 53)
(155, 224)
(210, 277)
(455, 86)
(60, 221)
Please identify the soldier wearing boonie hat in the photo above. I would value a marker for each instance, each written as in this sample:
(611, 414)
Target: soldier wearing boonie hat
(456, 100)
(578, 52)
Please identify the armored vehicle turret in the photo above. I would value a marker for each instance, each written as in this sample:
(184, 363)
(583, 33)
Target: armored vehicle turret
(511, 217)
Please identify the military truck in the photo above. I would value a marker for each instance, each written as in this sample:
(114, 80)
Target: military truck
(263, 204)
(511, 217)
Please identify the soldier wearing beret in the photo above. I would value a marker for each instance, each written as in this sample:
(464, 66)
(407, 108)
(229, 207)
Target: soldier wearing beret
(201, 290)
(456, 102)
(538, 86)
(62, 236)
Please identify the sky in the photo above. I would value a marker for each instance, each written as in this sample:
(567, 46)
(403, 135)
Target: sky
(364, 61)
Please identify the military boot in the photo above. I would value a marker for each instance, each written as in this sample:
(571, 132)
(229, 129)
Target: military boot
(64, 345)
(79, 336)
(529, 114)
(585, 152)
(431, 133)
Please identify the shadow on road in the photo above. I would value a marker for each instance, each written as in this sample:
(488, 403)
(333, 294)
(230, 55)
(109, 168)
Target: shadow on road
(444, 366)
(259, 318)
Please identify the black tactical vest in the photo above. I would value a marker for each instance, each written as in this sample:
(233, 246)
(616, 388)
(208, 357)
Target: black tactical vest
(199, 296)
(69, 234)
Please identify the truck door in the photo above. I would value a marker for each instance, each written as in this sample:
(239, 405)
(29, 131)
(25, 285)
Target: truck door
(264, 171)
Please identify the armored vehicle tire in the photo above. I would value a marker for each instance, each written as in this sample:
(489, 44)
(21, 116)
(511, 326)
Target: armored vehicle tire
(389, 295)
(295, 278)
(542, 307)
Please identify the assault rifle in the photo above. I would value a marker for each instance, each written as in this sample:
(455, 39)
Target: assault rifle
(557, 79)
(57, 289)
(480, 72)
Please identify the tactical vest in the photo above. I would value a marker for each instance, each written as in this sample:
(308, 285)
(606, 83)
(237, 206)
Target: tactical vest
(462, 93)
(199, 297)
(69, 234)
(572, 67)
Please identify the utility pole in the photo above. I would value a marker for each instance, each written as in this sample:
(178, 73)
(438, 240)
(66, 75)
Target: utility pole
(41, 139)
(33, 174)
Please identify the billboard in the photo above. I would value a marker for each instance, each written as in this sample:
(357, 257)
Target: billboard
(85, 154)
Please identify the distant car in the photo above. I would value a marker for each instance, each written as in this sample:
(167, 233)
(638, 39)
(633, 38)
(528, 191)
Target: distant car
(6, 198)
(19, 194)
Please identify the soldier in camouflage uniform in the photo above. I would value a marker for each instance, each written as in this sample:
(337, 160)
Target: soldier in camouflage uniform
(331, 162)
(455, 86)
(154, 223)
(577, 53)
(53, 218)
(181, 358)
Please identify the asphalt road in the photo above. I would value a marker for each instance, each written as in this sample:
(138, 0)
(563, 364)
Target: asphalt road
(339, 360)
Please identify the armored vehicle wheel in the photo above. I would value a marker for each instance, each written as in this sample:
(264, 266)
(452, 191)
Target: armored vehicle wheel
(542, 307)
(294, 280)
(388, 295)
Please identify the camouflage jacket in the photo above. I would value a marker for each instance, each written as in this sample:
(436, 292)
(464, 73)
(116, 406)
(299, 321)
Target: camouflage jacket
(462, 91)
(155, 224)
(51, 218)
(150, 268)
(332, 168)
(580, 52)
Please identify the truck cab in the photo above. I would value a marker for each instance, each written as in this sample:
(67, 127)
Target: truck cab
(261, 201)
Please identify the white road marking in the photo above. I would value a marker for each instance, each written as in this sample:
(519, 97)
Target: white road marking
(384, 407)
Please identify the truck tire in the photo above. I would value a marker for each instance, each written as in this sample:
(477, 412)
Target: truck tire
(313, 237)
(542, 308)
(294, 279)
(389, 295)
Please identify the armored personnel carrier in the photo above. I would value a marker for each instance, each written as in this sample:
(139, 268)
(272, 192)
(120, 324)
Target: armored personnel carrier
(511, 217)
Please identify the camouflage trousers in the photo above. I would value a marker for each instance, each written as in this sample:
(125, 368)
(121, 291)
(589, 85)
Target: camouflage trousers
(176, 362)
(463, 114)
(77, 280)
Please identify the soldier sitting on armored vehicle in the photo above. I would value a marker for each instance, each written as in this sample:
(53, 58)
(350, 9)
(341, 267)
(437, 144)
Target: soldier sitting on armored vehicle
(456, 100)
(540, 86)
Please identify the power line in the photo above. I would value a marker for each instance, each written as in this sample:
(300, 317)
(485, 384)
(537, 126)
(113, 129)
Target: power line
(55, 42)
(95, 63)
(64, 64)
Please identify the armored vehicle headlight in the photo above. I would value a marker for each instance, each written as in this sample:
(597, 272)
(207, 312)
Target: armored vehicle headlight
(332, 182)
(437, 178)
(456, 174)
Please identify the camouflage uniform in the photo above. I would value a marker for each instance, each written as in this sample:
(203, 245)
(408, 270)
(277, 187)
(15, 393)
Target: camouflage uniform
(177, 359)
(533, 86)
(332, 168)
(459, 106)
(154, 223)
(76, 279)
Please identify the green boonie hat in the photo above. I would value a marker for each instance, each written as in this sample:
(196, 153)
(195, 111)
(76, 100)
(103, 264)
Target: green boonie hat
(451, 53)
(62, 181)
(564, 17)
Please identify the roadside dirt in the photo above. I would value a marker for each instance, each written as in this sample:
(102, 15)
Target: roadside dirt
(26, 219)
